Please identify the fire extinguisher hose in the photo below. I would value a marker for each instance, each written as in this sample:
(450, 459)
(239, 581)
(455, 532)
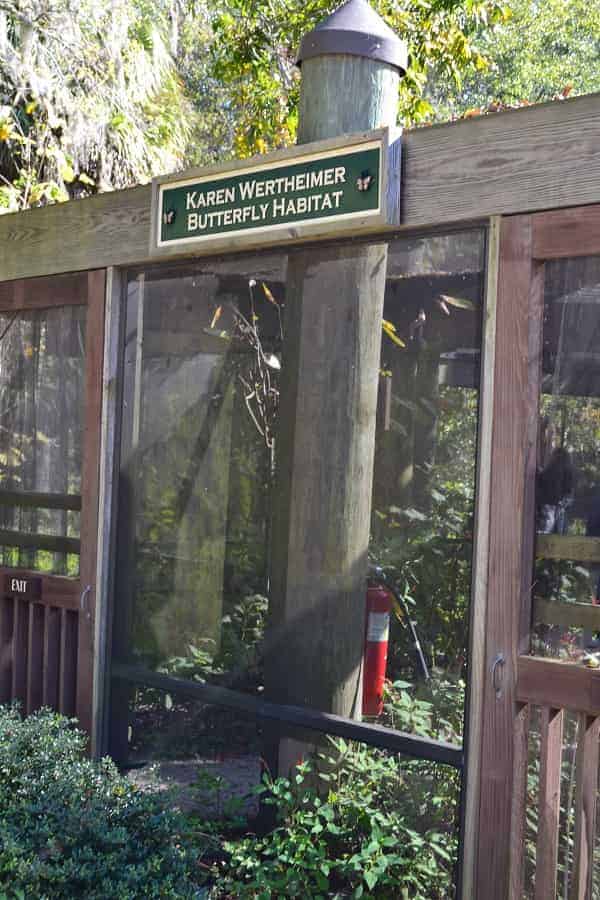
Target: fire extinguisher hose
(403, 613)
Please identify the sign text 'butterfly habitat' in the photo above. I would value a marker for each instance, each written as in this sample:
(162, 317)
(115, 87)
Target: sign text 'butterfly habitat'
(344, 186)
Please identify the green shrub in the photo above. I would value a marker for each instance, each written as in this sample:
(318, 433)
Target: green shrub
(72, 828)
(357, 838)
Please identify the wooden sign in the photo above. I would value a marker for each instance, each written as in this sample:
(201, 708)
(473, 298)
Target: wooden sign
(26, 586)
(330, 188)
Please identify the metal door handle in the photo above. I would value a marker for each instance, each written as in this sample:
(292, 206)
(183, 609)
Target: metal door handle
(83, 604)
(497, 673)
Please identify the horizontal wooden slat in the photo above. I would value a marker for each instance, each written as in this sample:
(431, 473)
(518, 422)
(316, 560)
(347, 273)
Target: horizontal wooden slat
(540, 157)
(39, 542)
(558, 684)
(374, 735)
(562, 233)
(42, 292)
(567, 547)
(535, 158)
(39, 500)
(576, 615)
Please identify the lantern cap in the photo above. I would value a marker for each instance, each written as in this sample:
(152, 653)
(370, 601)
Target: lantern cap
(355, 29)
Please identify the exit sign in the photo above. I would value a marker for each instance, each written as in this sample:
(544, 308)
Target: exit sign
(22, 585)
(346, 186)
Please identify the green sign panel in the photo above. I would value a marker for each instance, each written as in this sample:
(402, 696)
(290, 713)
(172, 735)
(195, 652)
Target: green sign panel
(340, 185)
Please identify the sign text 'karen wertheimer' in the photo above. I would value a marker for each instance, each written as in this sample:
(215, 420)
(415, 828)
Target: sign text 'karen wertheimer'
(338, 185)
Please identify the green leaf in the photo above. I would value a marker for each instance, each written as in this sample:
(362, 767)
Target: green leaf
(370, 878)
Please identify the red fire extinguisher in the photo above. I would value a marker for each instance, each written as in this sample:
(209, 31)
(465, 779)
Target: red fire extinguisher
(377, 635)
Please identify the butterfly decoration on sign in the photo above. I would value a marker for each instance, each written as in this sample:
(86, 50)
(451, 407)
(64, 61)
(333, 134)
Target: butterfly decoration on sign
(169, 217)
(364, 181)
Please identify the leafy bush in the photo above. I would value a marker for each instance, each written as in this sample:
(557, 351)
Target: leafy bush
(354, 839)
(73, 828)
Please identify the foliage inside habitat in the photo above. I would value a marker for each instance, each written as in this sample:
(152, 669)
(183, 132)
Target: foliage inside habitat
(362, 833)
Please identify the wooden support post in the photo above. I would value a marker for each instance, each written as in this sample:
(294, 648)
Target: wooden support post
(322, 500)
(90, 476)
(512, 412)
(477, 662)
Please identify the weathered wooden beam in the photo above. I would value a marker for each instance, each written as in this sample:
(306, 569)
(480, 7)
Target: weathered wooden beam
(479, 597)
(512, 411)
(536, 158)
(76, 236)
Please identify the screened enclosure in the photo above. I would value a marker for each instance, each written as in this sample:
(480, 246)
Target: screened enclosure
(202, 363)
(144, 428)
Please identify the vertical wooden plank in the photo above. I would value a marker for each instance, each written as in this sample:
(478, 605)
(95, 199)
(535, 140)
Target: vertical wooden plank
(107, 504)
(519, 804)
(94, 352)
(19, 651)
(6, 634)
(68, 662)
(551, 735)
(51, 656)
(480, 567)
(585, 806)
(35, 657)
(512, 411)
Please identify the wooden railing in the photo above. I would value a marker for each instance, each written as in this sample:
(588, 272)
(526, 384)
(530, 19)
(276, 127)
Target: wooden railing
(557, 688)
(39, 647)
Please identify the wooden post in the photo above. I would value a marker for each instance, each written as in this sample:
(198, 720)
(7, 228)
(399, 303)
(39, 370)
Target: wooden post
(351, 68)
